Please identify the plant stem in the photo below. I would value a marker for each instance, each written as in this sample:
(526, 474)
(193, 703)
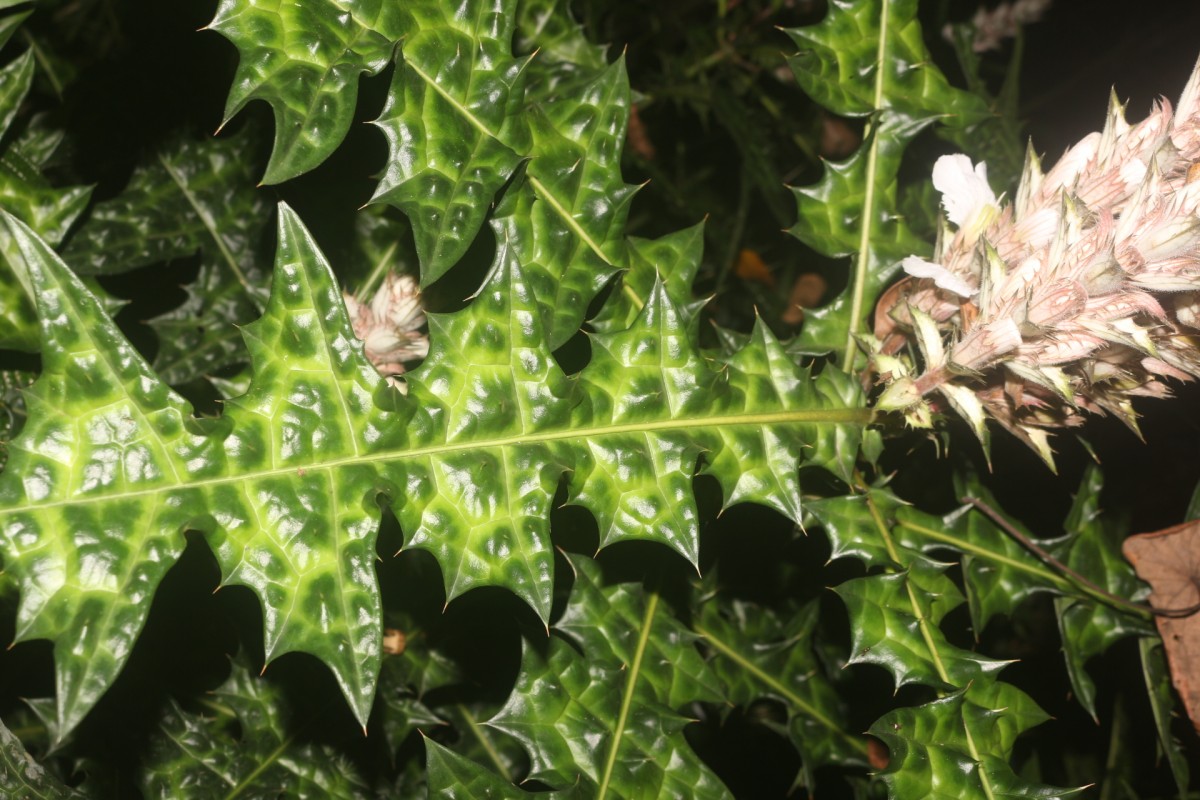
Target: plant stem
(1088, 586)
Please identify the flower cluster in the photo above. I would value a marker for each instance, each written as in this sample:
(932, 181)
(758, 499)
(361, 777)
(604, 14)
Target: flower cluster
(992, 26)
(389, 326)
(1077, 296)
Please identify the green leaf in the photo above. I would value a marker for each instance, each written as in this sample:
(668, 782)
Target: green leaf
(459, 121)
(454, 125)
(22, 777)
(939, 750)
(548, 28)
(11, 22)
(190, 197)
(1092, 547)
(565, 214)
(305, 61)
(111, 467)
(25, 192)
(957, 746)
(673, 259)
(483, 743)
(859, 525)
(998, 572)
(245, 746)
(894, 623)
(867, 58)
(15, 80)
(1162, 704)
(457, 778)
(757, 654)
(404, 680)
(617, 692)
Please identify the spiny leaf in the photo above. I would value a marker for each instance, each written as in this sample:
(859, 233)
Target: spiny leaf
(189, 197)
(960, 743)
(111, 467)
(635, 664)
(458, 121)
(999, 573)
(404, 680)
(867, 58)
(1162, 705)
(15, 80)
(454, 125)
(1093, 549)
(547, 27)
(566, 212)
(457, 778)
(673, 259)
(940, 750)
(895, 619)
(758, 654)
(244, 746)
(25, 192)
(22, 777)
(305, 60)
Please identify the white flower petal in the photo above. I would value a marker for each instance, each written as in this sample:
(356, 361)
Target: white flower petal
(965, 191)
(942, 277)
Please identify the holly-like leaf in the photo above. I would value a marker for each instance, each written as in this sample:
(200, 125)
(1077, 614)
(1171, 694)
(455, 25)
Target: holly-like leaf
(245, 744)
(757, 654)
(111, 467)
(26, 193)
(867, 59)
(548, 28)
(860, 526)
(455, 125)
(189, 197)
(566, 213)
(941, 749)
(959, 745)
(15, 80)
(894, 623)
(673, 259)
(999, 573)
(1162, 705)
(457, 778)
(1092, 547)
(617, 692)
(22, 777)
(305, 61)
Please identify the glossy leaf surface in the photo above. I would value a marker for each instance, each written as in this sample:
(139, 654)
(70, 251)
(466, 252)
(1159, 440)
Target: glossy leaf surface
(1092, 547)
(455, 125)
(26, 193)
(22, 777)
(942, 750)
(305, 60)
(189, 197)
(457, 778)
(757, 654)
(284, 483)
(243, 745)
(959, 745)
(605, 713)
(867, 58)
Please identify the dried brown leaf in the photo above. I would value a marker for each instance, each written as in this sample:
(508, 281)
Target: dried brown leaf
(1169, 560)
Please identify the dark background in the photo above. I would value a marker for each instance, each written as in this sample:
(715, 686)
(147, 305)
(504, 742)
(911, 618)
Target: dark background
(143, 72)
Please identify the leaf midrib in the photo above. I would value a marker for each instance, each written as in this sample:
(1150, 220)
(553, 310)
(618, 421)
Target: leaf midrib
(770, 681)
(853, 416)
(635, 668)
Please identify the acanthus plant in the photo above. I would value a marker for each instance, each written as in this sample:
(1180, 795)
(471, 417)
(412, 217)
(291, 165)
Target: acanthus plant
(534, 628)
